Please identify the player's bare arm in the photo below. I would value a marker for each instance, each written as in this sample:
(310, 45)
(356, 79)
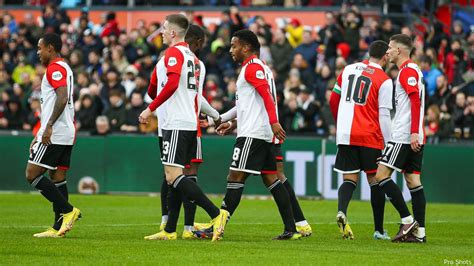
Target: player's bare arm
(59, 105)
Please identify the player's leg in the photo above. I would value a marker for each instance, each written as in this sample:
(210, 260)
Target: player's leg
(377, 201)
(302, 225)
(191, 172)
(348, 164)
(418, 200)
(189, 206)
(369, 157)
(394, 158)
(176, 150)
(235, 188)
(267, 152)
(59, 179)
(163, 190)
(45, 157)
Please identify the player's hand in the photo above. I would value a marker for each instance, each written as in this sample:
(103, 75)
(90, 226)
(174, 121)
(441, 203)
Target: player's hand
(143, 117)
(46, 140)
(278, 131)
(218, 121)
(415, 146)
(203, 123)
(224, 128)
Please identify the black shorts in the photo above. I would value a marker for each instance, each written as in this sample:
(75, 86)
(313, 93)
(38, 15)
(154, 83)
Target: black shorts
(353, 159)
(51, 156)
(197, 157)
(402, 158)
(160, 144)
(254, 156)
(278, 153)
(179, 147)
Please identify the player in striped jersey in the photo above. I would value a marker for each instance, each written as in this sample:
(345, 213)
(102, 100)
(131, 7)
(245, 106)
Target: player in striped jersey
(404, 152)
(254, 151)
(302, 225)
(180, 98)
(195, 38)
(361, 102)
(52, 147)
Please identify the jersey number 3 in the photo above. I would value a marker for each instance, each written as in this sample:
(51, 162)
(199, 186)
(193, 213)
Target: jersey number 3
(360, 91)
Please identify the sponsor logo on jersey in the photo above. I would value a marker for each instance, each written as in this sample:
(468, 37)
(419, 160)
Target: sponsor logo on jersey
(412, 81)
(172, 61)
(57, 75)
(259, 74)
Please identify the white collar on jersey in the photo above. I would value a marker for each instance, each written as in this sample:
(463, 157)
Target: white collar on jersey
(375, 65)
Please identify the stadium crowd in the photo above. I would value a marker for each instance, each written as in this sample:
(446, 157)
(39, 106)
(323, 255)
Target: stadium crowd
(112, 68)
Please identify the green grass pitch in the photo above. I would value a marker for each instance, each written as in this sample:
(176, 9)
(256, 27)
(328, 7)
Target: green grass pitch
(112, 229)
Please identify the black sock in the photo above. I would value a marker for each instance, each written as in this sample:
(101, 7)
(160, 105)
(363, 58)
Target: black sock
(282, 199)
(295, 205)
(232, 196)
(51, 193)
(62, 187)
(164, 197)
(174, 206)
(189, 206)
(194, 192)
(418, 202)
(344, 195)
(377, 200)
(395, 195)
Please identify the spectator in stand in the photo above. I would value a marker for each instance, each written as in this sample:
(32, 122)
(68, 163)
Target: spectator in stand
(330, 37)
(33, 118)
(112, 83)
(281, 51)
(469, 119)
(430, 74)
(458, 114)
(111, 27)
(116, 112)
(387, 30)
(87, 113)
(308, 48)
(294, 30)
(102, 126)
(13, 116)
(137, 105)
(351, 21)
(443, 94)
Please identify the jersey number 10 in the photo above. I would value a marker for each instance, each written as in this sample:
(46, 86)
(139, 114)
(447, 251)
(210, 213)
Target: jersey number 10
(361, 89)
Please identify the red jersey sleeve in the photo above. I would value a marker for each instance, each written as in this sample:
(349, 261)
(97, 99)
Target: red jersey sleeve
(409, 80)
(174, 60)
(153, 86)
(255, 75)
(56, 75)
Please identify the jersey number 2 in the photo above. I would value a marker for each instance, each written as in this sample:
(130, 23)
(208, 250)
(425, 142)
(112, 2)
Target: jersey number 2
(361, 89)
(191, 76)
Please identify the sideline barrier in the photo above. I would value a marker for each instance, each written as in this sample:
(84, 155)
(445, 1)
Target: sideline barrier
(132, 164)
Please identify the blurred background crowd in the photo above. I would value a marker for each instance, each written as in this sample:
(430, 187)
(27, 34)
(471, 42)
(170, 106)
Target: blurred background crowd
(112, 67)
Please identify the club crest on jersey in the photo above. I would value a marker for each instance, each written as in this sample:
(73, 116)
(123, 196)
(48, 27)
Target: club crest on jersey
(57, 75)
(412, 81)
(172, 61)
(259, 74)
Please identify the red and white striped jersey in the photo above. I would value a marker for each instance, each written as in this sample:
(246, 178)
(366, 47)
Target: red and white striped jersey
(159, 78)
(271, 81)
(409, 80)
(58, 74)
(364, 88)
(253, 120)
(184, 103)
